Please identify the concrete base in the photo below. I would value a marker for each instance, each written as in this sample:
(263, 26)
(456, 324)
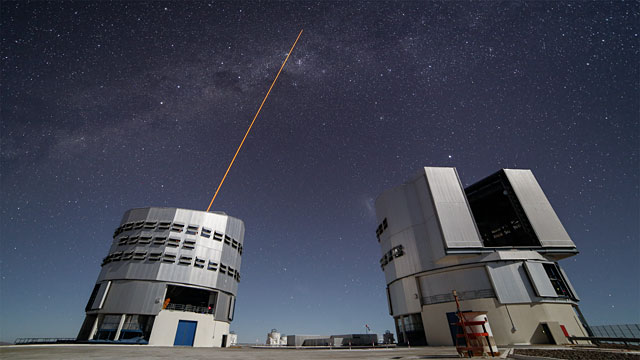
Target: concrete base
(525, 329)
(208, 331)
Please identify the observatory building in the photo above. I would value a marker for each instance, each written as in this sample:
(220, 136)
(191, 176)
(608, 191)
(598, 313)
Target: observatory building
(170, 278)
(496, 243)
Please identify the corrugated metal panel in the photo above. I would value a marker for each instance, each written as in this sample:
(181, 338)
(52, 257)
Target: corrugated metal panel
(508, 282)
(456, 221)
(98, 302)
(134, 297)
(535, 204)
(566, 279)
(540, 279)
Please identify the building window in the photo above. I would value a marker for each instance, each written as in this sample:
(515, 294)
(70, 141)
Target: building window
(391, 254)
(199, 263)
(177, 227)
(212, 266)
(164, 225)
(128, 226)
(159, 240)
(189, 244)
(127, 255)
(144, 240)
(227, 240)
(155, 256)
(123, 240)
(240, 249)
(192, 230)
(185, 260)
(139, 255)
(139, 225)
(150, 224)
(169, 258)
(173, 242)
(217, 236)
(206, 233)
(223, 268)
(133, 239)
(107, 327)
(381, 228)
(557, 280)
(234, 244)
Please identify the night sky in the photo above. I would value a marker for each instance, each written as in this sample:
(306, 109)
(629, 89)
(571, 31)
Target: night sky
(113, 105)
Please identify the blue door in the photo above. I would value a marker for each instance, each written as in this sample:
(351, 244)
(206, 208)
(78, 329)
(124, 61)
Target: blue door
(186, 333)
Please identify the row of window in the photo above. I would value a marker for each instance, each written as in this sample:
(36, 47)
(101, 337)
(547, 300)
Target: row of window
(157, 256)
(168, 225)
(391, 254)
(381, 228)
(171, 241)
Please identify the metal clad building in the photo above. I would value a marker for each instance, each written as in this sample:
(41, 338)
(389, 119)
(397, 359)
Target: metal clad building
(170, 278)
(496, 243)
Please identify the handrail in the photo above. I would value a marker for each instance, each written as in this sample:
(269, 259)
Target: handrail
(599, 339)
(24, 341)
(190, 308)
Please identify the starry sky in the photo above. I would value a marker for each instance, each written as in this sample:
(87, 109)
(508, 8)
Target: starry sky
(106, 106)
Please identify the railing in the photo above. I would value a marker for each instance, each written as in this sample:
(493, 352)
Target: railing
(611, 340)
(25, 341)
(190, 308)
(462, 295)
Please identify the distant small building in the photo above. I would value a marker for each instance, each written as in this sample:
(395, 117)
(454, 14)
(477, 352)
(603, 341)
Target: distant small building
(333, 340)
(496, 243)
(170, 278)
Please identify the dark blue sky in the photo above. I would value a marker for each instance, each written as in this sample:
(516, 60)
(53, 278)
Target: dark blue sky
(113, 105)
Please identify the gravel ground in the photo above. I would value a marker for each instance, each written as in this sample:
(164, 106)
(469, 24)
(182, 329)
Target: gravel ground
(578, 354)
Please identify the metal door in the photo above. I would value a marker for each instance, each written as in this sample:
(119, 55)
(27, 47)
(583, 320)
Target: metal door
(185, 333)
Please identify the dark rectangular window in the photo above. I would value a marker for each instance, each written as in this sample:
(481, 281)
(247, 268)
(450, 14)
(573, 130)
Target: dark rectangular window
(499, 214)
(185, 260)
(144, 239)
(212, 266)
(174, 242)
(557, 280)
(192, 230)
(159, 240)
(177, 227)
(169, 258)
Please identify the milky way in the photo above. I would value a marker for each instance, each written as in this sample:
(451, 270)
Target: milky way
(109, 106)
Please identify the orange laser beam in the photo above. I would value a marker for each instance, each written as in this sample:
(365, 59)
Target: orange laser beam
(253, 121)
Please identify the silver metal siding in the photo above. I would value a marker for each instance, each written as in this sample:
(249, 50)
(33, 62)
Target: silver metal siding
(509, 283)
(453, 212)
(535, 204)
(566, 279)
(540, 279)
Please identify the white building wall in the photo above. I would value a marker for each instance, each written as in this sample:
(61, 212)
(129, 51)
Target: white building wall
(526, 328)
(208, 331)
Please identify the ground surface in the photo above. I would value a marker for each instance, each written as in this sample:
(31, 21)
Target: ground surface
(147, 352)
(580, 354)
(112, 352)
